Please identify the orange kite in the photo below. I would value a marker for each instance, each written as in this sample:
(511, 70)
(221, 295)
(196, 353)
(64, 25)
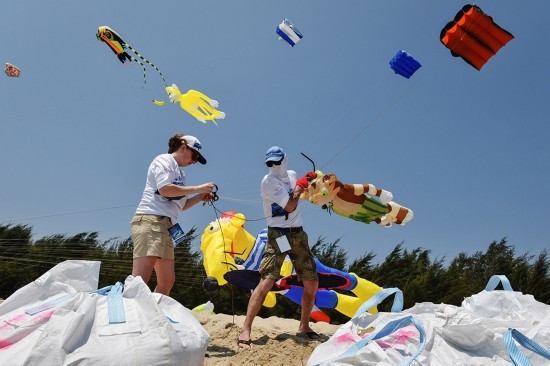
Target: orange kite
(474, 36)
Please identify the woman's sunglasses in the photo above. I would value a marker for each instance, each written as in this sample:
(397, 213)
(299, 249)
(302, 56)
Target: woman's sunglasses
(271, 163)
(194, 155)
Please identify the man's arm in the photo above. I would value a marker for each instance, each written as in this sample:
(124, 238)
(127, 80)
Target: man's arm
(294, 199)
(301, 185)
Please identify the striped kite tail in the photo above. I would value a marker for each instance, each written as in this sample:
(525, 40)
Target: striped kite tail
(147, 61)
(144, 70)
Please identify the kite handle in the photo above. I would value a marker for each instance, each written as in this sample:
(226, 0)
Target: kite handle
(215, 194)
(312, 162)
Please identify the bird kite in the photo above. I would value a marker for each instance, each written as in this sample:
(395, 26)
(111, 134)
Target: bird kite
(474, 36)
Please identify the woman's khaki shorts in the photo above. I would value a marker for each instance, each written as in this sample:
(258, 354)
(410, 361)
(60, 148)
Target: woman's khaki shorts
(151, 237)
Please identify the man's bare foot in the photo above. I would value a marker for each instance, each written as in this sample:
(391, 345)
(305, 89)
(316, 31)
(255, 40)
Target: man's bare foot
(244, 340)
(305, 329)
(307, 332)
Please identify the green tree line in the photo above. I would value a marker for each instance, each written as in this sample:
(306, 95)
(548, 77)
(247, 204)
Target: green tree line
(421, 278)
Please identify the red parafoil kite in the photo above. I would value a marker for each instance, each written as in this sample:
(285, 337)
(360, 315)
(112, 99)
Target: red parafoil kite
(474, 36)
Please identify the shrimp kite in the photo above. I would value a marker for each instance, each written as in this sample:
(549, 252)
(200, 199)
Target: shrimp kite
(119, 46)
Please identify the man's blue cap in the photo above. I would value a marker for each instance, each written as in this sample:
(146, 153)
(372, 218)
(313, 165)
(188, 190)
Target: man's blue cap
(274, 153)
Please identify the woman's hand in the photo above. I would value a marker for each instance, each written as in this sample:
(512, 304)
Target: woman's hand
(206, 187)
(206, 197)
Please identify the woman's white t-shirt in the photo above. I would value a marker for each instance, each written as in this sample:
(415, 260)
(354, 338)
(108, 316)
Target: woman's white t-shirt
(163, 170)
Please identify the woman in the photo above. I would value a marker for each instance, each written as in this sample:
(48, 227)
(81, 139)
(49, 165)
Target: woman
(154, 224)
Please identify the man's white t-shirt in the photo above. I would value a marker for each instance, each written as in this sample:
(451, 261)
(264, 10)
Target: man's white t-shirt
(275, 196)
(163, 170)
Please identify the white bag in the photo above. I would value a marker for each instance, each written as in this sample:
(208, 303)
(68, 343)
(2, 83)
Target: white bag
(477, 327)
(103, 327)
(24, 313)
(517, 357)
(472, 334)
(377, 339)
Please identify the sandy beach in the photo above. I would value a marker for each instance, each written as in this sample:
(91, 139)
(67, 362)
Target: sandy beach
(275, 341)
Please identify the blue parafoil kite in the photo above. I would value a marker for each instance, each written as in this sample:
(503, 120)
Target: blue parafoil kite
(288, 32)
(404, 64)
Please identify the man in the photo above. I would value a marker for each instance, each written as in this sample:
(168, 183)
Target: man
(281, 194)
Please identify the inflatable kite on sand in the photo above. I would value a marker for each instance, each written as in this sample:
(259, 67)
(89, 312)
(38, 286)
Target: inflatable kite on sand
(354, 201)
(474, 36)
(222, 241)
(220, 248)
(404, 64)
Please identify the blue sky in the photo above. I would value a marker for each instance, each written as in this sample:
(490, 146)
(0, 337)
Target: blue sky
(467, 150)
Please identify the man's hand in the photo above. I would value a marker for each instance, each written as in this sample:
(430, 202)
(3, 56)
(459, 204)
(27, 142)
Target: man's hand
(304, 181)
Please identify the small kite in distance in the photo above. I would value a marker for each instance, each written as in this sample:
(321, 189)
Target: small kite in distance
(12, 70)
(404, 64)
(288, 32)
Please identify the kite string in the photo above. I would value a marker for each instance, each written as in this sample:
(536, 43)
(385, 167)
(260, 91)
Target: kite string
(356, 136)
(6, 222)
(226, 261)
(65, 213)
(241, 177)
(330, 124)
(351, 106)
(245, 219)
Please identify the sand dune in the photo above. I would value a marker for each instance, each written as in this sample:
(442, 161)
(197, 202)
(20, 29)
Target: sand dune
(274, 341)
